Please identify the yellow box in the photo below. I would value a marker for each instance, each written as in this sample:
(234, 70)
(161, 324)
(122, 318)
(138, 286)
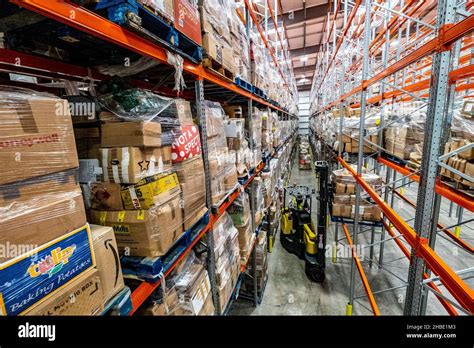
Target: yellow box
(150, 192)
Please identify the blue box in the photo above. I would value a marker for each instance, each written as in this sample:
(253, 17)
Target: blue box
(35, 276)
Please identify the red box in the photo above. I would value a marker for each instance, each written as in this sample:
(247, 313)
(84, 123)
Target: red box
(187, 20)
(186, 144)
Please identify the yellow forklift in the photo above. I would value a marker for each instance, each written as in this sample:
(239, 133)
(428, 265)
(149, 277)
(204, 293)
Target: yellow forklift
(298, 233)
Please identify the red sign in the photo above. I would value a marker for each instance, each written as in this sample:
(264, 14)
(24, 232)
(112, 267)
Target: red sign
(187, 20)
(186, 144)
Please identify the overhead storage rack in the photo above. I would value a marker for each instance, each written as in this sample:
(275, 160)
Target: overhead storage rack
(388, 53)
(201, 81)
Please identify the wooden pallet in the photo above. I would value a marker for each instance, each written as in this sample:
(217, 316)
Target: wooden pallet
(413, 165)
(218, 68)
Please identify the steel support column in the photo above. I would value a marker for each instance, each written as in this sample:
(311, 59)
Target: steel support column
(429, 165)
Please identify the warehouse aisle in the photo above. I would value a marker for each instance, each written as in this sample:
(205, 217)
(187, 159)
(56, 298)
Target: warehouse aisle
(288, 291)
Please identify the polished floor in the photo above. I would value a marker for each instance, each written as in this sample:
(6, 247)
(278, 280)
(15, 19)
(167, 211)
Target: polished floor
(289, 292)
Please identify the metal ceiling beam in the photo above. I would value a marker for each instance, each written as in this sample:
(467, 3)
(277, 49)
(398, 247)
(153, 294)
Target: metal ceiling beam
(302, 51)
(308, 70)
(312, 12)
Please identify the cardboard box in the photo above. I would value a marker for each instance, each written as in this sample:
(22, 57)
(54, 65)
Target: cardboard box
(345, 188)
(105, 196)
(39, 210)
(212, 46)
(87, 141)
(469, 170)
(144, 232)
(36, 275)
(186, 143)
(187, 20)
(131, 164)
(150, 192)
(234, 111)
(341, 210)
(118, 134)
(108, 261)
(38, 139)
(189, 169)
(81, 296)
(193, 288)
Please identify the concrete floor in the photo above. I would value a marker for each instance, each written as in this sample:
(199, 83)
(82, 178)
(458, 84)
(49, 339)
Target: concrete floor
(289, 292)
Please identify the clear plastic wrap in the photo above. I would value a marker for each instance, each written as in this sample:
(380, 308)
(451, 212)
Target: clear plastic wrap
(152, 186)
(36, 136)
(463, 124)
(186, 293)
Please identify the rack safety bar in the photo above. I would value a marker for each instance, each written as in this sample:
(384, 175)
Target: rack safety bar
(455, 285)
(363, 277)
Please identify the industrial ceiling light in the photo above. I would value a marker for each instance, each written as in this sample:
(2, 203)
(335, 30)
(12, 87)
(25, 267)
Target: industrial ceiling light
(394, 43)
(304, 58)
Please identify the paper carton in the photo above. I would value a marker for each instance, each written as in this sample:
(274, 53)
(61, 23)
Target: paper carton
(116, 134)
(108, 261)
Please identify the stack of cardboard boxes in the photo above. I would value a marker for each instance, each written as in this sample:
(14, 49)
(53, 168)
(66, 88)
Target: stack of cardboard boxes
(151, 179)
(216, 38)
(46, 248)
(262, 266)
(239, 212)
(463, 162)
(226, 251)
(186, 293)
(344, 198)
(222, 166)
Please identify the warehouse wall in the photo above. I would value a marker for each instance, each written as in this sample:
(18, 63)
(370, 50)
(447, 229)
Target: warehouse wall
(303, 104)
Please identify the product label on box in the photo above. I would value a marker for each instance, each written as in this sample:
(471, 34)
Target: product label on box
(186, 144)
(35, 276)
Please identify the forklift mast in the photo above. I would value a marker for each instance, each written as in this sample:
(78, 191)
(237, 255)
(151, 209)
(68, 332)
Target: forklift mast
(322, 172)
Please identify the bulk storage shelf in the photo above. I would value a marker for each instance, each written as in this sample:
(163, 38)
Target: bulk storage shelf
(108, 31)
(452, 33)
(201, 81)
(145, 289)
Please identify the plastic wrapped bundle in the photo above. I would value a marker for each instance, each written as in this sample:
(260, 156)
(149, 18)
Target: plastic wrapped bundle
(36, 136)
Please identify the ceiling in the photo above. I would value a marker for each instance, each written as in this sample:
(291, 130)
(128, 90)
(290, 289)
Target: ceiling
(305, 22)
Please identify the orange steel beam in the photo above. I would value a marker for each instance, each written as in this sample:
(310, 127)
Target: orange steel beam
(449, 308)
(455, 285)
(363, 277)
(145, 289)
(400, 21)
(270, 49)
(393, 21)
(455, 196)
(450, 35)
(339, 42)
(463, 244)
(102, 28)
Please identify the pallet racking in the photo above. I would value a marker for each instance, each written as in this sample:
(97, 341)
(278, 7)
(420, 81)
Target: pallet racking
(381, 56)
(202, 83)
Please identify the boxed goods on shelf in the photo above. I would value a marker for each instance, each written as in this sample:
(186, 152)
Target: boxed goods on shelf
(187, 19)
(37, 273)
(116, 134)
(131, 164)
(187, 292)
(37, 137)
(344, 198)
(226, 250)
(38, 210)
(144, 232)
(107, 261)
(87, 141)
(81, 296)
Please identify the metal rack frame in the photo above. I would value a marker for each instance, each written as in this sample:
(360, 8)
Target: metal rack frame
(440, 51)
(90, 23)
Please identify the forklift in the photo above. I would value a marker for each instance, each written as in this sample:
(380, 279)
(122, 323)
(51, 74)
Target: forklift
(298, 234)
